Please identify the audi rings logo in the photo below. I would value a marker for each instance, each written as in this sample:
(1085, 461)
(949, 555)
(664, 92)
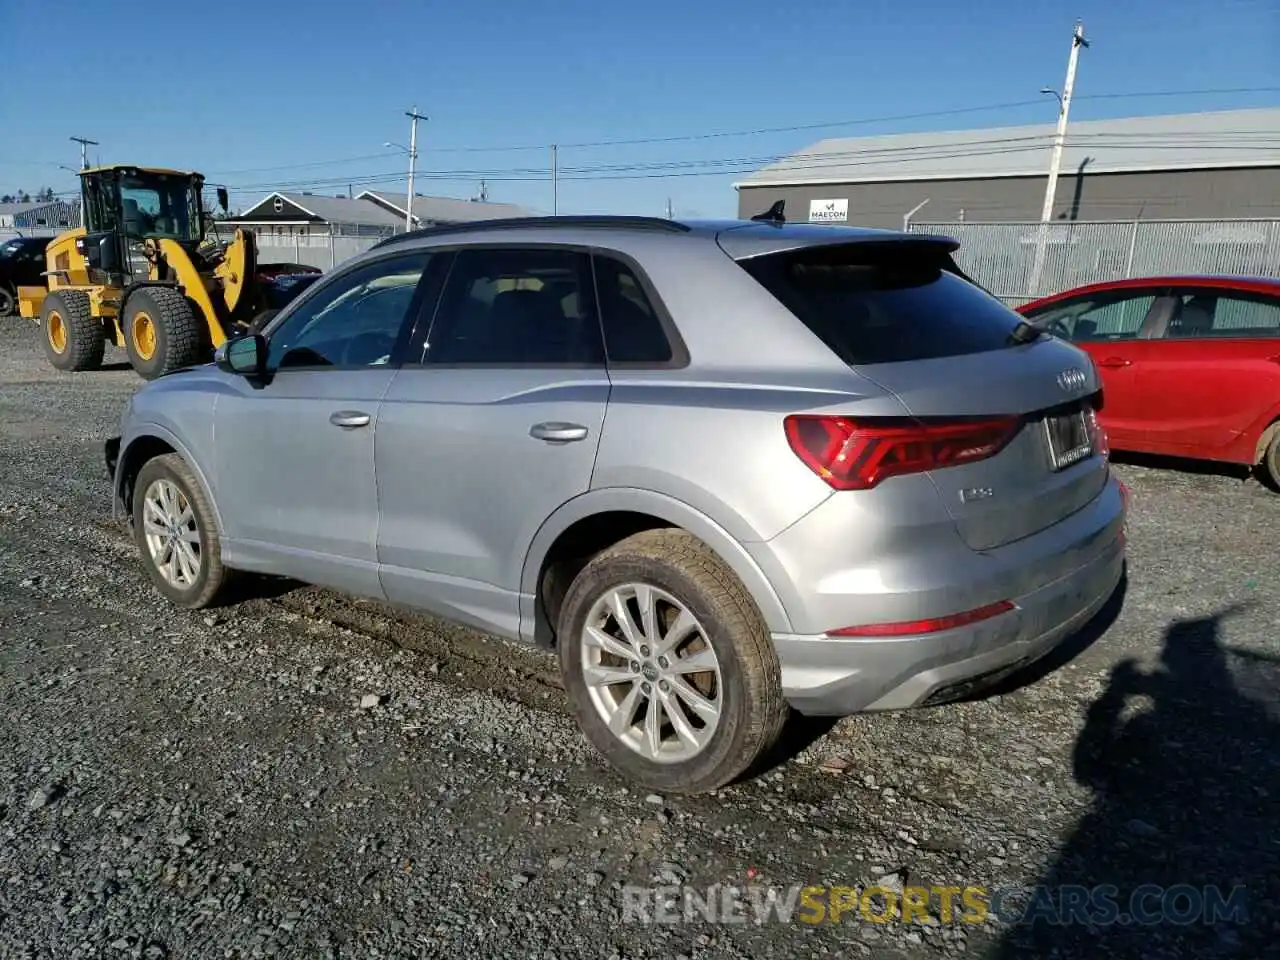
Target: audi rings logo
(1072, 379)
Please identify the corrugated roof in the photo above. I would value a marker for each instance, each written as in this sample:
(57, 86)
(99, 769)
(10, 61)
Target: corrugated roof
(16, 208)
(448, 209)
(1229, 138)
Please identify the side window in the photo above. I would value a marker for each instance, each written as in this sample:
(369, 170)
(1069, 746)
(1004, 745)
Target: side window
(353, 321)
(517, 306)
(632, 331)
(1102, 317)
(1213, 313)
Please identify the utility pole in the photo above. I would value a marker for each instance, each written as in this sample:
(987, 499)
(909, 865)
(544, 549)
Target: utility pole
(85, 144)
(84, 150)
(555, 180)
(669, 216)
(414, 117)
(1064, 108)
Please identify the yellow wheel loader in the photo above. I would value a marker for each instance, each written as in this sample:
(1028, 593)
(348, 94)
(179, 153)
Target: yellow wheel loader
(147, 271)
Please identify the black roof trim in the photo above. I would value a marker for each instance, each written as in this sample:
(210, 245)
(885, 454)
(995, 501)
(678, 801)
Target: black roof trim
(520, 223)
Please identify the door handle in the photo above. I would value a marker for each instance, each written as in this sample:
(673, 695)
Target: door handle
(1114, 362)
(349, 419)
(558, 432)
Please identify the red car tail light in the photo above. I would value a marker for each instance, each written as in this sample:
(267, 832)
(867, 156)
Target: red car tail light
(852, 454)
(907, 628)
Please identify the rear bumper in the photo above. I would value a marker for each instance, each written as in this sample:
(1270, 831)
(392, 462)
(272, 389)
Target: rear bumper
(839, 676)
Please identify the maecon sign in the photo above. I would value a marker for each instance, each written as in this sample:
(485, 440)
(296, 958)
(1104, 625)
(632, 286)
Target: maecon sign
(828, 211)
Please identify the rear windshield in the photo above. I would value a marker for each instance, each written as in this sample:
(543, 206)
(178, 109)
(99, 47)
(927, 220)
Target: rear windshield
(873, 303)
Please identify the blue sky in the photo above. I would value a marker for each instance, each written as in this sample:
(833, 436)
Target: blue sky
(267, 93)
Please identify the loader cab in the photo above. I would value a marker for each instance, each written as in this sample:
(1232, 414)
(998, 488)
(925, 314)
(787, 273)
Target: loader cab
(124, 206)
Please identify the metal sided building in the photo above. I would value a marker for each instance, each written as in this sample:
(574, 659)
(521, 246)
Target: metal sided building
(1222, 165)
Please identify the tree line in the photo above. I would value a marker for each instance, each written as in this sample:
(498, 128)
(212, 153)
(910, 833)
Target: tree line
(42, 196)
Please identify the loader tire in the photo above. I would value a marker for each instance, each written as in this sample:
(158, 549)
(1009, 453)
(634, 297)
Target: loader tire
(73, 337)
(163, 332)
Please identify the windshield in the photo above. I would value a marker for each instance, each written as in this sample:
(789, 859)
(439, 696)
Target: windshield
(158, 206)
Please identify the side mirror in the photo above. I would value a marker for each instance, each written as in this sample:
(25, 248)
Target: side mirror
(223, 200)
(245, 356)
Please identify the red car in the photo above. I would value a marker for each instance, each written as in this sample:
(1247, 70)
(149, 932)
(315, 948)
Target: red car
(1190, 366)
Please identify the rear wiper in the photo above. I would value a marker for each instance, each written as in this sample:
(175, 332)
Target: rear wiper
(1024, 333)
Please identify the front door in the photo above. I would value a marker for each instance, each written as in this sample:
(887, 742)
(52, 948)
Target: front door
(295, 461)
(492, 430)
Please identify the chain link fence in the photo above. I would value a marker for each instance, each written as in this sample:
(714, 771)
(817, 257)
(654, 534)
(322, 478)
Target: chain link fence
(1021, 261)
(314, 249)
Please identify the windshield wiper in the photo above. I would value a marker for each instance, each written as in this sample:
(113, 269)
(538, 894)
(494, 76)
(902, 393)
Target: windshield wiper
(1024, 333)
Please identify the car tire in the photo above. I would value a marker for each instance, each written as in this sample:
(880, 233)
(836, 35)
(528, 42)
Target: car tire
(697, 749)
(7, 302)
(1269, 465)
(162, 332)
(171, 514)
(73, 338)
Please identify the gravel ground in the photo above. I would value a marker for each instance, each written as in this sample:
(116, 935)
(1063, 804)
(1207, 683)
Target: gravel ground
(208, 784)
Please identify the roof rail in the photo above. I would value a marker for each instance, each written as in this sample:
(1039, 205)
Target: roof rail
(507, 223)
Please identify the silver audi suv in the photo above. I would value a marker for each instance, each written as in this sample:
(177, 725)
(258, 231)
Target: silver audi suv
(725, 469)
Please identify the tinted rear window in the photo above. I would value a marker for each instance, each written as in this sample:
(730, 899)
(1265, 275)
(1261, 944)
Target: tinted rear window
(876, 304)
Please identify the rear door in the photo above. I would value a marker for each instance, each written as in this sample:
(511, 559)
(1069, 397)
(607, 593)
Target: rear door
(1213, 369)
(898, 317)
(492, 426)
(1109, 326)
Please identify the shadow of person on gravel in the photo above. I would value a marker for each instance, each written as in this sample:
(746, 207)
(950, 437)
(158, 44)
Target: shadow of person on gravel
(1180, 846)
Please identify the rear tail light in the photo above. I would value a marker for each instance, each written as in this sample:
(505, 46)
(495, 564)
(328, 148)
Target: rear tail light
(851, 454)
(1101, 445)
(907, 628)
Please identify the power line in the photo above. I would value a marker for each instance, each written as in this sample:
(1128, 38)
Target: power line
(863, 121)
(540, 173)
(906, 154)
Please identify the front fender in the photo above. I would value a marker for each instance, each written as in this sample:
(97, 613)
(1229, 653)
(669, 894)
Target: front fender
(133, 442)
(672, 511)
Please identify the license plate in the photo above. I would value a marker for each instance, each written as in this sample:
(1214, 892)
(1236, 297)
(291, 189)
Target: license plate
(1069, 439)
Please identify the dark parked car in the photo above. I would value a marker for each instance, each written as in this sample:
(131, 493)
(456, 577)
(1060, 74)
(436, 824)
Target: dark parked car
(21, 265)
(279, 290)
(1190, 366)
(272, 270)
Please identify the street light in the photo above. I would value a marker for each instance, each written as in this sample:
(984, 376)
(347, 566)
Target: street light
(412, 150)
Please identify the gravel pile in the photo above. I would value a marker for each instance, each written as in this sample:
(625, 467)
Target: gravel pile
(302, 775)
